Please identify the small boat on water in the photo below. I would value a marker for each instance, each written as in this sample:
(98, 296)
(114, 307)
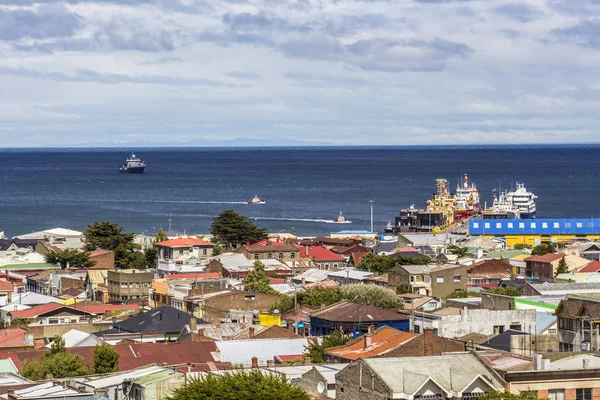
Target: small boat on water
(133, 165)
(341, 220)
(389, 228)
(256, 200)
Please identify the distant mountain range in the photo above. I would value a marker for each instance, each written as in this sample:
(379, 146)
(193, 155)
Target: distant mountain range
(237, 142)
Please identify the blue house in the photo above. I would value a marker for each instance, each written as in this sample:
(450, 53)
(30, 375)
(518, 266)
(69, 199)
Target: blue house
(354, 317)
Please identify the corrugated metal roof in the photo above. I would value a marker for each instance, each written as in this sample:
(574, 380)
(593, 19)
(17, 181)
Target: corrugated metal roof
(452, 372)
(44, 389)
(240, 352)
(563, 288)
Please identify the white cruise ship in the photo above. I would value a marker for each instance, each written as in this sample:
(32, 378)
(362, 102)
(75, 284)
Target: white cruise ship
(518, 204)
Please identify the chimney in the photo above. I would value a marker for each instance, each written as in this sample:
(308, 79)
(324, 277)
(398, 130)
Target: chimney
(367, 340)
(254, 362)
(270, 363)
(303, 281)
(251, 332)
(371, 329)
(586, 363)
(538, 365)
(428, 342)
(193, 325)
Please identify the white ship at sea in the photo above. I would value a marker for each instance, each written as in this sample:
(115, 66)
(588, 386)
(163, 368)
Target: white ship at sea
(519, 203)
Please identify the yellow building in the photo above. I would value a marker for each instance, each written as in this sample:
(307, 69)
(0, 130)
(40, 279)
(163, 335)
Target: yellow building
(267, 320)
(160, 293)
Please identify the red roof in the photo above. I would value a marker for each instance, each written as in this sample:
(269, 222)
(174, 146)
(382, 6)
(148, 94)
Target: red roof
(407, 249)
(546, 258)
(318, 253)
(384, 340)
(594, 266)
(289, 358)
(184, 242)
(203, 275)
(276, 281)
(89, 308)
(140, 354)
(14, 337)
(100, 252)
(6, 286)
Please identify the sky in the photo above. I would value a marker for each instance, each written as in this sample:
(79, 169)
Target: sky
(345, 72)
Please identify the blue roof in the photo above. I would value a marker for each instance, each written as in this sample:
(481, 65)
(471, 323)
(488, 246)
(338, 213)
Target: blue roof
(353, 233)
(574, 226)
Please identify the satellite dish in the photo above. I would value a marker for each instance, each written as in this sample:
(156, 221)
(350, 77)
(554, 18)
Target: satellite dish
(321, 387)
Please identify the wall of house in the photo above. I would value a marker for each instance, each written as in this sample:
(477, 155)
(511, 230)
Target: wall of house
(310, 382)
(216, 307)
(49, 331)
(492, 301)
(478, 321)
(449, 285)
(104, 261)
(568, 382)
(161, 389)
(129, 286)
(357, 381)
(527, 345)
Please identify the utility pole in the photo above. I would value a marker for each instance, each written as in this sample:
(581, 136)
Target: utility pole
(371, 202)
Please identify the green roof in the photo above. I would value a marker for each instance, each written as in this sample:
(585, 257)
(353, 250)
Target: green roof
(506, 254)
(156, 377)
(29, 266)
(8, 366)
(566, 278)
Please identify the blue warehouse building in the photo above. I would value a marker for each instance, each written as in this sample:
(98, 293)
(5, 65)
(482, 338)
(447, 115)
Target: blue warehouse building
(536, 231)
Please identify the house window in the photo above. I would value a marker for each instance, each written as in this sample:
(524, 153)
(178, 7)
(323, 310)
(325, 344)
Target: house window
(522, 225)
(456, 278)
(498, 225)
(293, 255)
(475, 225)
(498, 329)
(53, 320)
(544, 225)
(583, 394)
(510, 225)
(533, 225)
(412, 278)
(281, 256)
(440, 279)
(556, 225)
(181, 252)
(556, 394)
(419, 278)
(417, 329)
(515, 327)
(552, 331)
(256, 256)
(580, 225)
(487, 225)
(204, 252)
(270, 255)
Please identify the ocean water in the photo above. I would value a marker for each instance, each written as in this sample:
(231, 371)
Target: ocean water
(304, 188)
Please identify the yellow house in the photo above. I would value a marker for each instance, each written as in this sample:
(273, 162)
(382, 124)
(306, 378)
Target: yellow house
(267, 320)
(160, 293)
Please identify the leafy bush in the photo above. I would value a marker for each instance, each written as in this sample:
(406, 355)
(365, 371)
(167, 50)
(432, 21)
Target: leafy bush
(373, 295)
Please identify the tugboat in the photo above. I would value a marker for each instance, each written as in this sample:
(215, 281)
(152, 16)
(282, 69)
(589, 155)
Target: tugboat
(133, 165)
(341, 220)
(389, 228)
(256, 200)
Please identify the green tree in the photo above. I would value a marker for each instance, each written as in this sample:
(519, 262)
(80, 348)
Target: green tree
(240, 385)
(403, 288)
(57, 346)
(521, 246)
(318, 296)
(405, 260)
(151, 256)
(562, 267)
(375, 263)
(285, 304)
(258, 281)
(544, 248)
(217, 249)
(494, 395)
(458, 251)
(373, 295)
(458, 294)
(231, 228)
(161, 236)
(316, 351)
(507, 291)
(70, 257)
(56, 363)
(109, 236)
(106, 359)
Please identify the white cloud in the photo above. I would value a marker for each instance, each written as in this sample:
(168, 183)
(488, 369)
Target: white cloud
(346, 71)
